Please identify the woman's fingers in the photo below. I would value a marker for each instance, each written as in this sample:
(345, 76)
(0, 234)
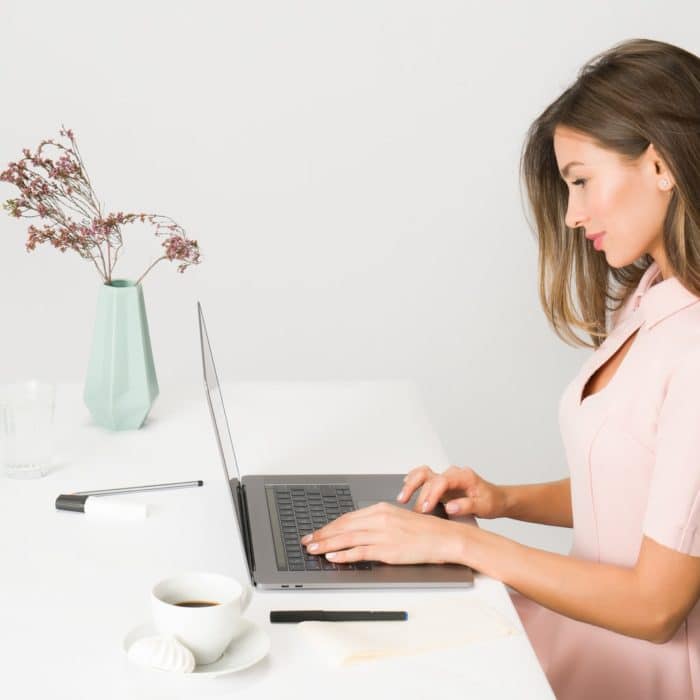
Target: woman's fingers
(345, 540)
(413, 480)
(337, 525)
(459, 506)
(454, 481)
(347, 556)
(434, 487)
(354, 520)
(430, 493)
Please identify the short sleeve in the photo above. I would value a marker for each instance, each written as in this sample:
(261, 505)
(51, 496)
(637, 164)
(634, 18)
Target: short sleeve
(672, 516)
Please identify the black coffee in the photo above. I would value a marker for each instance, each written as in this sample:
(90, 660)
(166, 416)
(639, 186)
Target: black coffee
(195, 604)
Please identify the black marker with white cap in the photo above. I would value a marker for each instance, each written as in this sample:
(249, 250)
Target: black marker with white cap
(91, 504)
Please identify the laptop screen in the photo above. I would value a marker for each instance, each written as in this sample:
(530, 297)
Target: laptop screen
(216, 403)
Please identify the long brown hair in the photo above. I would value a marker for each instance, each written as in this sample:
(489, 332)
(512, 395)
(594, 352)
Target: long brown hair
(638, 92)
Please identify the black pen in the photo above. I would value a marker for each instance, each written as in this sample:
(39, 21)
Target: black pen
(336, 615)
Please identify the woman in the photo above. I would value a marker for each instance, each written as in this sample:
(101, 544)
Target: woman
(617, 154)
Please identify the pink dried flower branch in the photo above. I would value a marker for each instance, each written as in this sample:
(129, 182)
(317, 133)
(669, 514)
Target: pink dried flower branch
(58, 189)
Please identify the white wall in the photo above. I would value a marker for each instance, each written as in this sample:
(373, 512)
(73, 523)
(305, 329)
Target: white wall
(350, 170)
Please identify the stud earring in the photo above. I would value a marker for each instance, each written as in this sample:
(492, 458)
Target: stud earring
(664, 183)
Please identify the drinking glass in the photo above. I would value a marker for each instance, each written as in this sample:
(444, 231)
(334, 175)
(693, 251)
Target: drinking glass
(26, 428)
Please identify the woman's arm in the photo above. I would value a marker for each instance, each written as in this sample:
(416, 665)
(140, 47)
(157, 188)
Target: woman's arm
(648, 601)
(548, 504)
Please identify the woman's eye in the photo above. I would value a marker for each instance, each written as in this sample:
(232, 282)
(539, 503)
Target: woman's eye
(580, 181)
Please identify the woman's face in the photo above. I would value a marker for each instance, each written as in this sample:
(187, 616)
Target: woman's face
(607, 194)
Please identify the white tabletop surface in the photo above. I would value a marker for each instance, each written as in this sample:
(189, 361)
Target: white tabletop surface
(72, 587)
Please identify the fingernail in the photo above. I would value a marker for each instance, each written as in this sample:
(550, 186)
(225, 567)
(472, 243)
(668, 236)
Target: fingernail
(313, 547)
(306, 538)
(330, 555)
(451, 507)
(400, 496)
(425, 506)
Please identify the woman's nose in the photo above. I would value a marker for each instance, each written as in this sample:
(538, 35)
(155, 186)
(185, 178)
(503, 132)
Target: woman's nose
(574, 218)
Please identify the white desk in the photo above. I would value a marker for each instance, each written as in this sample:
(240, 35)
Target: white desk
(72, 587)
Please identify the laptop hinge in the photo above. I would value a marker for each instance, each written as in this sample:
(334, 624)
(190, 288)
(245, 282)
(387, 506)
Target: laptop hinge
(245, 521)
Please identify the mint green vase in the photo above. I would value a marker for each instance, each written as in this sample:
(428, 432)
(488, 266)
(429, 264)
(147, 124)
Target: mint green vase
(121, 383)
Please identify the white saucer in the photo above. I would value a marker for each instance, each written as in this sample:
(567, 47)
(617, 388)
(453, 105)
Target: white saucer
(245, 650)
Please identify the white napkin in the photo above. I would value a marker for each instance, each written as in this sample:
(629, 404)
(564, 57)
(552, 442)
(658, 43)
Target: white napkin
(438, 624)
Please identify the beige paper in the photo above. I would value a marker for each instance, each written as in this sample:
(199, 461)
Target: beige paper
(438, 624)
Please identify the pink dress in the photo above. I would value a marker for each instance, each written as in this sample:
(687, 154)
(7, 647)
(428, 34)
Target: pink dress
(633, 452)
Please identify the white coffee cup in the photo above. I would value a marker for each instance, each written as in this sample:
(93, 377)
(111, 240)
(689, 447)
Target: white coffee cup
(207, 630)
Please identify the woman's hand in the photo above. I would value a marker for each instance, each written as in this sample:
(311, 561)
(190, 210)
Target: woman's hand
(384, 532)
(461, 489)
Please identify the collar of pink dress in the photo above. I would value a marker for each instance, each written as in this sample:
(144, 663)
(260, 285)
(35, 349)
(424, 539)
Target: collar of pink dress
(658, 301)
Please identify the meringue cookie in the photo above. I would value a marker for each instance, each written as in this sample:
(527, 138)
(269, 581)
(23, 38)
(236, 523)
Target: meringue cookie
(163, 652)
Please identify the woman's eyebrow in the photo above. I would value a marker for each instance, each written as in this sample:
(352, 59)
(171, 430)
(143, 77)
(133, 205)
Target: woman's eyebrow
(565, 171)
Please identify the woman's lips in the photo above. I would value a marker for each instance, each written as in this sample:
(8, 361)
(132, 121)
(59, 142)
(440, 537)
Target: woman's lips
(595, 237)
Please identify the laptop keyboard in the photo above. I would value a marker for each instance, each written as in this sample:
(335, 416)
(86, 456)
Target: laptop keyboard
(303, 509)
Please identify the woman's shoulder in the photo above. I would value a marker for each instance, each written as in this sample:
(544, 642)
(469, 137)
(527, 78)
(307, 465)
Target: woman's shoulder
(686, 360)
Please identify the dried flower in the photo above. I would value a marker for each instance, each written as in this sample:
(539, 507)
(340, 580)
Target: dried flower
(58, 189)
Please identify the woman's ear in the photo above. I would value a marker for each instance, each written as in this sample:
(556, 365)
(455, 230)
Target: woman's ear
(660, 168)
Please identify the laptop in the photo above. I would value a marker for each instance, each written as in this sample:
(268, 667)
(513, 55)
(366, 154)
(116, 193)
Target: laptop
(275, 511)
